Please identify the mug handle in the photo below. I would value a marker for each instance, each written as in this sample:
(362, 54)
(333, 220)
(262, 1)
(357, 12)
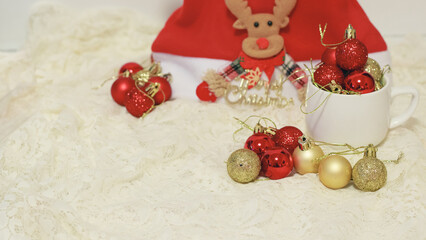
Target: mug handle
(398, 120)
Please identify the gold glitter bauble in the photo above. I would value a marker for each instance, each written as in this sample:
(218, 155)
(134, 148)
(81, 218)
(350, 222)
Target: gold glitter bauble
(243, 166)
(374, 69)
(335, 171)
(306, 157)
(369, 173)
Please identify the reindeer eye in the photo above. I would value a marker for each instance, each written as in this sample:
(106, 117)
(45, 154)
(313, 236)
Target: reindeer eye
(270, 23)
(256, 24)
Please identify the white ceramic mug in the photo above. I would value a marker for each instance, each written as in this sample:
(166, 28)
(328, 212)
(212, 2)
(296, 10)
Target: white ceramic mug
(357, 120)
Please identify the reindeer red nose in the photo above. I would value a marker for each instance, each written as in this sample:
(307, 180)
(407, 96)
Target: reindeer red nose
(263, 43)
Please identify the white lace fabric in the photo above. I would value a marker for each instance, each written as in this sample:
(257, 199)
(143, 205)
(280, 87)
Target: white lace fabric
(75, 165)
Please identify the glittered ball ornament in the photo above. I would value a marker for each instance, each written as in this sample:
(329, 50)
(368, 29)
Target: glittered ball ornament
(369, 174)
(335, 172)
(360, 82)
(159, 89)
(138, 103)
(130, 68)
(243, 166)
(329, 56)
(327, 73)
(120, 88)
(351, 55)
(374, 69)
(259, 143)
(307, 156)
(287, 137)
(277, 163)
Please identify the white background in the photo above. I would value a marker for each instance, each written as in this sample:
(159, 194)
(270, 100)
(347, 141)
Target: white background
(393, 18)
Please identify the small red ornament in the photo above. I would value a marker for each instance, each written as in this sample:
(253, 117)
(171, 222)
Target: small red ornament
(159, 89)
(120, 88)
(138, 103)
(327, 73)
(131, 68)
(351, 55)
(204, 94)
(329, 56)
(276, 163)
(288, 138)
(359, 81)
(258, 143)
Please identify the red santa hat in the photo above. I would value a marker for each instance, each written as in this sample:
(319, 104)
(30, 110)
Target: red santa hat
(204, 30)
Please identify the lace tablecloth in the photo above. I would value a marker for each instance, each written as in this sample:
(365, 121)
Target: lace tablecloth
(75, 165)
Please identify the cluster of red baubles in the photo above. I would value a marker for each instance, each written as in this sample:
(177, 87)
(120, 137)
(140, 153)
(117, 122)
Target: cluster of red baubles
(139, 97)
(275, 151)
(344, 65)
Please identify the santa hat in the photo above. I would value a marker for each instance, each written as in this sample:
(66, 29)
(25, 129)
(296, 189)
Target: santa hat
(200, 33)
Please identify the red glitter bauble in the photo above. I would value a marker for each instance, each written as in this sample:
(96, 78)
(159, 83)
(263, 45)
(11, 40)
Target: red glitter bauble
(287, 137)
(276, 163)
(359, 81)
(138, 103)
(327, 73)
(258, 143)
(351, 55)
(120, 88)
(159, 89)
(204, 94)
(329, 56)
(131, 67)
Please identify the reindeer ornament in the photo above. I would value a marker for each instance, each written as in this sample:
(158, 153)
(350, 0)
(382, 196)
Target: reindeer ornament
(262, 51)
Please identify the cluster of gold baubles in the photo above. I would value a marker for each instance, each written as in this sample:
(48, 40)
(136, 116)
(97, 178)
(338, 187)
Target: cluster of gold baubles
(335, 171)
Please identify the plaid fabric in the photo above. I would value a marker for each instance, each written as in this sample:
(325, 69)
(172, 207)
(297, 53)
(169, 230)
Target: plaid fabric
(290, 69)
(294, 72)
(233, 70)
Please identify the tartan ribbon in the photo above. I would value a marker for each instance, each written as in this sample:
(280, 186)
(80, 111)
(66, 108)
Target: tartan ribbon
(244, 65)
(293, 72)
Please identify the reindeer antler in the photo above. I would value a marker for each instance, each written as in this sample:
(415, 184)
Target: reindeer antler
(239, 8)
(283, 8)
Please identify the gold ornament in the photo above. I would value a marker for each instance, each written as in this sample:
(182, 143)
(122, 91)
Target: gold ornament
(243, 166)
(143, 76)
(350, 32)
(373, 68)
(335, 171)
(369, 173)
(307, 156)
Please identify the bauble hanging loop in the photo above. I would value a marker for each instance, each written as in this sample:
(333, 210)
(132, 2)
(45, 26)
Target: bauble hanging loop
(350, 32)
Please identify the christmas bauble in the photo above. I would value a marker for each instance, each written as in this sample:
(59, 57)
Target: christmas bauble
(374, 69)
(120, 88)
(287, 137)
(159, 89)
(131, 68)
(258, 143)
(351, 55)
(277, 163)
(327, 73)
(307, 156)
(360, 82)
(204, 94)
(369, 174)
(138, 103)
(335, 172)
(329, 56)
(243, 166)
